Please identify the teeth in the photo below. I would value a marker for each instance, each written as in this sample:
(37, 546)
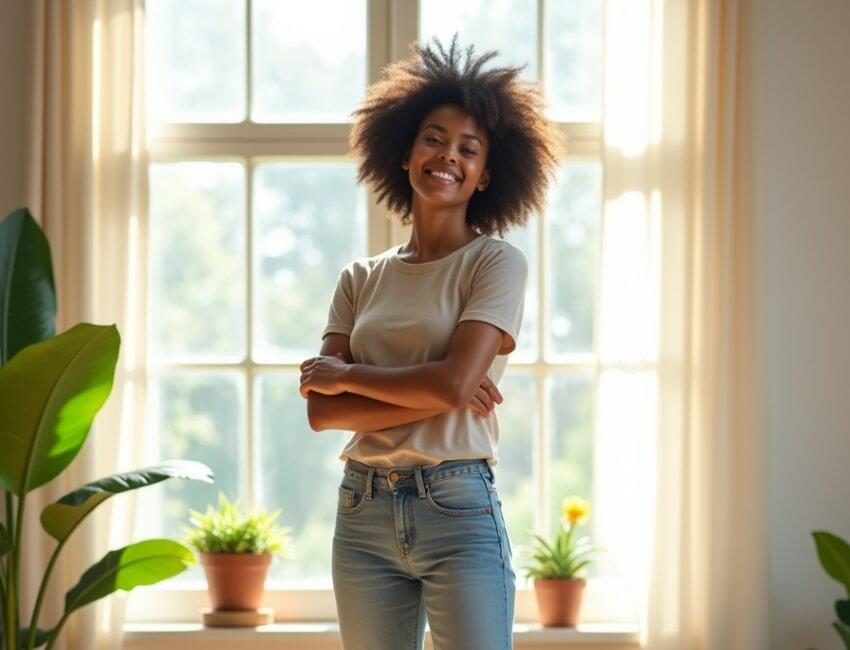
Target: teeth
(443, 175)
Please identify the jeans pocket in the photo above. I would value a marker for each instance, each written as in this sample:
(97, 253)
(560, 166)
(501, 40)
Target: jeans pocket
(352, 496)
(463, 495)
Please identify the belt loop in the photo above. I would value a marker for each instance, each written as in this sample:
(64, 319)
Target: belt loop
(420, 484)
(369, 478)
(492, 474)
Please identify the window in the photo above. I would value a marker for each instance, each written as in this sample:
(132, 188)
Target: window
(248, 107)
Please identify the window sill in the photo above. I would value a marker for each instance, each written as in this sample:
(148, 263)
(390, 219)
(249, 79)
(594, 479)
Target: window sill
(324, 635)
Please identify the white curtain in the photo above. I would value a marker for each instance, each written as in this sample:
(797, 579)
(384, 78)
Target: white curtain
(680, 475)
(86, 181)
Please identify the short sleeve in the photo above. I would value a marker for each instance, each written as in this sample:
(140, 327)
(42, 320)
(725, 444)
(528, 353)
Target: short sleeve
(498, 292)
(341, 309)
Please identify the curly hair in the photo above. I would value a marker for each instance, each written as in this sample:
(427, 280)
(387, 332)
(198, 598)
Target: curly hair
(525, 147)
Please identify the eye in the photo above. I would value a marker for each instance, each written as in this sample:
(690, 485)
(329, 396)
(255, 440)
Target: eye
(431, 138)
(470, 151)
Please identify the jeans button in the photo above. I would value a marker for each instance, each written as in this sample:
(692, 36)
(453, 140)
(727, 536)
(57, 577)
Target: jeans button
(393, 476)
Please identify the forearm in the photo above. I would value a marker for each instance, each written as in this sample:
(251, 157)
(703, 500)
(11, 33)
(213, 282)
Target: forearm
(427, 385)
(351, 412)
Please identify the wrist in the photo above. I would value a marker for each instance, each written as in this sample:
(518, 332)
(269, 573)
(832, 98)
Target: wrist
(348, 377)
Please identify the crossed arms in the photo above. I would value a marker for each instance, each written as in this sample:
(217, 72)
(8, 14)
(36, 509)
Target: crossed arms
(344, 395)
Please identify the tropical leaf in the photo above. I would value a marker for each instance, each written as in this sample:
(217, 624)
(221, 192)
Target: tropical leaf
(60, 519)
(834, 555)
(143, 563)
(842, 608)
(41, 637)
(5, 541)
(844, 632)
(49, 394)
(28, 307)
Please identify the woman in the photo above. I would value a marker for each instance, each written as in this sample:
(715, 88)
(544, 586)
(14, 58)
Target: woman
(416, 341)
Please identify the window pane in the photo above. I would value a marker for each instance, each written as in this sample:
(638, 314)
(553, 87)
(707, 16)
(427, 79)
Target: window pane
(628, 294)
(572, 234)
(198, 416)
(625, 455)
(570, 400)
(197, 260)
(196, 60)
(300, 474)
(574, 60)
(310, 221)
(525, 239)
(509, 26)
(518, 433)
(309, 60)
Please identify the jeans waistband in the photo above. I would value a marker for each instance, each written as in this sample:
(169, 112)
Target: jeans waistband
(418, 475)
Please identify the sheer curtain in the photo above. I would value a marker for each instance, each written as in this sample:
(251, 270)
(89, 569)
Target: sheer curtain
(86, 181)
(678, 237)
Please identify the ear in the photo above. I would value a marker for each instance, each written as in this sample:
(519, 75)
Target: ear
(484, 181)
(405, 161)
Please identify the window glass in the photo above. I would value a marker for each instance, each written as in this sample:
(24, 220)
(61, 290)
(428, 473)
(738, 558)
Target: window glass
(197, 261)
(195, 60)
(309, 222)
(309, 60)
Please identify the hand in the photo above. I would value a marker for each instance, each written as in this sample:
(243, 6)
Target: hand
(323, 374)
(486, 398)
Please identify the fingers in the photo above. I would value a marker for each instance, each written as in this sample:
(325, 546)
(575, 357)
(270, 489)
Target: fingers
(484, 397)
(491, 389)
(479, 408)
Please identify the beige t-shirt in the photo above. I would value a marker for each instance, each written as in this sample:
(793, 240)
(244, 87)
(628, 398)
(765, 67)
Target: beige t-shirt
(399, 313)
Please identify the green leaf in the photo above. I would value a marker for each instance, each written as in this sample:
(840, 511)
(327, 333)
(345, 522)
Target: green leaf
(5, 541)
(61, 518)
(226, 530)
(27, 294)
(41, 637)
(844, 632)
(842, 608)
(834, 555)
(49, 394)
(143, 563)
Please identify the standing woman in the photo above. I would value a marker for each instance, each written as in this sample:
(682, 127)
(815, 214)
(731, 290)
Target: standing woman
(416, 341)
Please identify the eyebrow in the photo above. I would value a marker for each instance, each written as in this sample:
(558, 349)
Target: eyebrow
(444, 130)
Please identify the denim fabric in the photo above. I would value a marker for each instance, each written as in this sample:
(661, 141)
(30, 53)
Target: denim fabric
(411, 542)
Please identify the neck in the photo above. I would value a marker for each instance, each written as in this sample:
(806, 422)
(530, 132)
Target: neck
(437, 230)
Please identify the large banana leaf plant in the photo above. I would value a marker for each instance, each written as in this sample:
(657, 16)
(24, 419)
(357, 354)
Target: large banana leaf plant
(51, 388)
(834, 555)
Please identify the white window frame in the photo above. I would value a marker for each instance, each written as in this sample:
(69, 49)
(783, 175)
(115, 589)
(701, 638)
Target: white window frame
(391, 25)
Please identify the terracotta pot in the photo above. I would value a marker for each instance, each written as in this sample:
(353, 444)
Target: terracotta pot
(559, 601)
(235, 580)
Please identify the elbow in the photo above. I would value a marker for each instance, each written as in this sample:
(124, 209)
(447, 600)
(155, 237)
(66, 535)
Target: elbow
(314, 416)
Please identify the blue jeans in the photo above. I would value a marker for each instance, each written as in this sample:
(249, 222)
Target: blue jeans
(412, 541)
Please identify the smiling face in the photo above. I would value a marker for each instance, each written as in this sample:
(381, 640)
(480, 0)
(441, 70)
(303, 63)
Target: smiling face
(447, 161)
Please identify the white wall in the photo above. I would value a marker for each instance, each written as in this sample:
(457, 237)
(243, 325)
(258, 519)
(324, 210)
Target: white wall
(14, 101)
(801, 173)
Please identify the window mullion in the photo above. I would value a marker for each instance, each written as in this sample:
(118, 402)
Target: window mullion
(542, 518)
(249, 65)
(248, 369)
(541, 46)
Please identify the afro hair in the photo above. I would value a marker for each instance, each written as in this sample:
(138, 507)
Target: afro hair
(525, 147)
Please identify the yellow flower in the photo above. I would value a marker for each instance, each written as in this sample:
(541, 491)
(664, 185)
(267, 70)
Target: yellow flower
(575, 510)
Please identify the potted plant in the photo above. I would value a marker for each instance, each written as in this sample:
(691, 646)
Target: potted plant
(51, 388)
(834, 555)
(557, 567)
(236, 551)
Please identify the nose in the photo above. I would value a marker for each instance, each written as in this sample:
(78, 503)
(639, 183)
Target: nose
(447, 155)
